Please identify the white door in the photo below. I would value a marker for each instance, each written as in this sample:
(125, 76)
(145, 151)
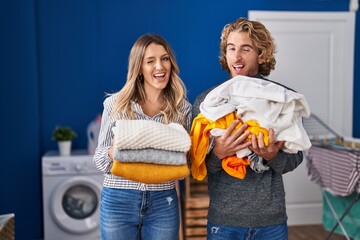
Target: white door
(315, 56)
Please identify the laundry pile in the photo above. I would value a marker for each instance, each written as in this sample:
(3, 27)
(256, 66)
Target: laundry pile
(252, 100)
(150, 152)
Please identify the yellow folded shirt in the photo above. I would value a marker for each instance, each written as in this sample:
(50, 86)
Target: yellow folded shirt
(149, 173)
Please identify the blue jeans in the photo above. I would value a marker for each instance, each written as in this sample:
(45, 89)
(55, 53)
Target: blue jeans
(133, 215)
(220, 232)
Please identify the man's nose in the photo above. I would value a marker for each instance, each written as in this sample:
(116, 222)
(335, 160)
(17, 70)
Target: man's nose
(238, 54)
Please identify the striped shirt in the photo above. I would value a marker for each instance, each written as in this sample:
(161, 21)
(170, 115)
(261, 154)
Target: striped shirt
(103, 162)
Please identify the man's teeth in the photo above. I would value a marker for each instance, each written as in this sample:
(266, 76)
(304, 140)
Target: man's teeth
(238, 66)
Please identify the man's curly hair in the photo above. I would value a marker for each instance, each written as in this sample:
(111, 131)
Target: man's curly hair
(261, 38)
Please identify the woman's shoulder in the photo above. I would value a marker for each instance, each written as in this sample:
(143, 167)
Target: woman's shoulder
(110, 98)
(109, 101)
(185, 105)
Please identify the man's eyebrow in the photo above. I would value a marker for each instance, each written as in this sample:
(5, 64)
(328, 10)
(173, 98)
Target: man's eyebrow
(248, 45)
(244, 45)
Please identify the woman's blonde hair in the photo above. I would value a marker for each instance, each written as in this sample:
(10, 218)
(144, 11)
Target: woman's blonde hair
(261, 38)
(174, 93)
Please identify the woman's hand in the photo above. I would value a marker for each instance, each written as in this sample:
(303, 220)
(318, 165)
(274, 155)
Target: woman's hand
(111, 151)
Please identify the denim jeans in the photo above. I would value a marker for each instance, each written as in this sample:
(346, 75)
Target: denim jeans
(220, 232)
(133, 215)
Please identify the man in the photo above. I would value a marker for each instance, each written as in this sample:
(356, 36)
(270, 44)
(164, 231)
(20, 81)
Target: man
(252, 207)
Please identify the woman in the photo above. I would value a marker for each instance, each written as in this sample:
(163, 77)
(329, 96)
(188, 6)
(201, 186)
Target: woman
(153, 91)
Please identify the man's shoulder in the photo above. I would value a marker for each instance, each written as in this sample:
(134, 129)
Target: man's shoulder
(282, 85)
(202, 95)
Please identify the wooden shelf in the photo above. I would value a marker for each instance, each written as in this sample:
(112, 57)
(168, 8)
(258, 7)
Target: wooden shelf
(196, 204)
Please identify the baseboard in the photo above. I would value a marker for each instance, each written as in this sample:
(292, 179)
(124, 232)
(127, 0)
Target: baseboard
(304, 214)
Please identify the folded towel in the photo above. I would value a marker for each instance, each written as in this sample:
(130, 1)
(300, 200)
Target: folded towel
(150, 155)
(140, 134)
(149, 173)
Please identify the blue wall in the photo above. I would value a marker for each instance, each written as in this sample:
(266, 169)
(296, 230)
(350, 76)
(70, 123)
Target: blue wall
(59, 57)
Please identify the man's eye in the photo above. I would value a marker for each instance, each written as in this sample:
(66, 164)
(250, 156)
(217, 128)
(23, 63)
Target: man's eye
(231, 49)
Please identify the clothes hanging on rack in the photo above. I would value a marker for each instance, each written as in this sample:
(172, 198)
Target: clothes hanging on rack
(337, 171)
(333, 163)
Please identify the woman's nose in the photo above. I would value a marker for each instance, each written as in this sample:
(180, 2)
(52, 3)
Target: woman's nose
(158, 65)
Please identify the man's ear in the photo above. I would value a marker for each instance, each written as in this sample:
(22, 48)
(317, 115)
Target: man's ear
(260, 60)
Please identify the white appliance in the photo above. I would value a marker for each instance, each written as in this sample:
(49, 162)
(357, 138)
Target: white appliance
(71, 196)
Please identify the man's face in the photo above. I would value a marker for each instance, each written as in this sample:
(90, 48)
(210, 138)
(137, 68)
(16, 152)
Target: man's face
(242, 55)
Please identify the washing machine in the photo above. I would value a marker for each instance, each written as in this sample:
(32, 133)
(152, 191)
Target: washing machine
(71, 196)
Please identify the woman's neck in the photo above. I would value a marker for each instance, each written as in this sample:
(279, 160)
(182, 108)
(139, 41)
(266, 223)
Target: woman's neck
(152, 105)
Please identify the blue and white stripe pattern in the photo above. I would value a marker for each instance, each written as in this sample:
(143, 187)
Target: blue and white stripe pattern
(101, 159)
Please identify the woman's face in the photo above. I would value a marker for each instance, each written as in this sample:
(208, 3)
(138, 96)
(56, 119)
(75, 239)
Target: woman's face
(242, 55)
(156, 67)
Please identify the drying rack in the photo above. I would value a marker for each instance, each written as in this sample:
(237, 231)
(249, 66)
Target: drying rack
(326, 144)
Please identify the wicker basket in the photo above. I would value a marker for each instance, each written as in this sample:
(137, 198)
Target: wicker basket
(7, 228)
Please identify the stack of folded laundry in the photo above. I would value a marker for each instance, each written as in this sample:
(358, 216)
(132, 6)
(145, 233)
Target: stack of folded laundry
(150, 152)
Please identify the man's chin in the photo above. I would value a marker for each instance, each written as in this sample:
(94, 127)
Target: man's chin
(234, 74)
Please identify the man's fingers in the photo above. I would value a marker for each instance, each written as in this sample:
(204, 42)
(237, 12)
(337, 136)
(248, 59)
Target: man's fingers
(260, 141)
(280, 144)
(271, 136)
(230, 129)
(241, 136)
(254, 143)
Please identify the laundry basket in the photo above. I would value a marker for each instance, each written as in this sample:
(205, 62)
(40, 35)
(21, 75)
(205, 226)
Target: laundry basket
(7, 228)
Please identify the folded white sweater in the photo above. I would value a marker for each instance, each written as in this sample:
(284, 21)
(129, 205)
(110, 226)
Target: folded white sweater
(140, 134)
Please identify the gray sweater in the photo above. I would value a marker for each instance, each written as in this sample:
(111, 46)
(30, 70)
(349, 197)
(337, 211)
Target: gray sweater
(255, 201)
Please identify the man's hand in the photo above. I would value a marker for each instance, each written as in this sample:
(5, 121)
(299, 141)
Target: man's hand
(228, 144)
(269, 152)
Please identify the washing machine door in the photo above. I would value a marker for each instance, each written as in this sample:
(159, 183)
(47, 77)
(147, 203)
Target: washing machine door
(75, 204)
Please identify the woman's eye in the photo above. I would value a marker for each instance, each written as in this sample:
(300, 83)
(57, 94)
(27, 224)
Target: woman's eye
(166, 58)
